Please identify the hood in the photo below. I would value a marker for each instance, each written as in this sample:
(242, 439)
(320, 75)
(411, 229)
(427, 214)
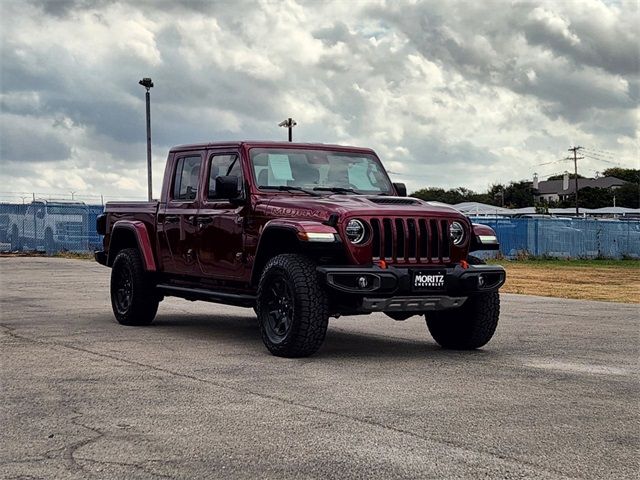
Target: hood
(302, 206)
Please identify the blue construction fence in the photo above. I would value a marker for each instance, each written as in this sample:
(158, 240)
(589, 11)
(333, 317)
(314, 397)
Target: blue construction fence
(565, 237)
(57, 226)
(49, 226)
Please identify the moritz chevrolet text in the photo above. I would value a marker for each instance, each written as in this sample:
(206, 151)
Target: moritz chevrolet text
(301, 233)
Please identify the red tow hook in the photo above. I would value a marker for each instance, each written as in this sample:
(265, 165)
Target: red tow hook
(464, 264)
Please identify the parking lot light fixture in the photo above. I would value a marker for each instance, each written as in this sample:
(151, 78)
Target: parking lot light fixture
(148, 84)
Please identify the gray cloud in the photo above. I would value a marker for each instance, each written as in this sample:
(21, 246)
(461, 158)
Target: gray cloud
(449, 93)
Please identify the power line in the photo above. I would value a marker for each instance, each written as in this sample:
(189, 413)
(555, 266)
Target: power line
(600, 155)
(600, 159)
(603, 152)
(555, 161)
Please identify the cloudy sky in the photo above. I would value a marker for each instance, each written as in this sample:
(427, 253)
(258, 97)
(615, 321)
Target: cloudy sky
(455, 93)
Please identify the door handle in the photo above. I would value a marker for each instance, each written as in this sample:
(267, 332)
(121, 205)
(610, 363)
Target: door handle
(171, 218)
(202, 221)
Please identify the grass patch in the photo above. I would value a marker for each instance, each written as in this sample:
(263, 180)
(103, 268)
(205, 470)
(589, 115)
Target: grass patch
(605, 280)
(74, 255)
(569, 263)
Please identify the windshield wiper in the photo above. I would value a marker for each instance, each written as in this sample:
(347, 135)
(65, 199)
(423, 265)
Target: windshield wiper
(290, 188)
(336, 189)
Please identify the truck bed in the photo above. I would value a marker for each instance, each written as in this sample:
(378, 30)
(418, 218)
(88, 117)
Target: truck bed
(146, 212)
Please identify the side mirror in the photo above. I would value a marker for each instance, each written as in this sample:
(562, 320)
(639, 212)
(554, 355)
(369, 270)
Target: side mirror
(40, 214)
(227, 187)
(401, 189)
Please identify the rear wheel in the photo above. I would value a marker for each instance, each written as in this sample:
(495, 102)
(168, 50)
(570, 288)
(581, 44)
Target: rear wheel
(133, 296)
(470, 326)
(293, 310)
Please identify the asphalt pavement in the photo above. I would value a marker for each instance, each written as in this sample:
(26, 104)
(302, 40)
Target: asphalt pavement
(196, 395)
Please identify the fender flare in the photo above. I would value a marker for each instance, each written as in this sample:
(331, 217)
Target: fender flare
(298, 228)
(141, 234)
(483, 238)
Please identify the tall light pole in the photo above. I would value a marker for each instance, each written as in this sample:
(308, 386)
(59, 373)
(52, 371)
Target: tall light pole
(148, 84)
(289, 123)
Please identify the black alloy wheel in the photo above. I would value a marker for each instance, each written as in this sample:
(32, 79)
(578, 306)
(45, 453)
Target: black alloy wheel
(134, 298)
(123, 290)
(278, 303)
(293, 308)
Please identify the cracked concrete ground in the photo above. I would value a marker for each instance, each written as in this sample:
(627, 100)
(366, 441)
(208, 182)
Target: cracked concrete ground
(196, 395)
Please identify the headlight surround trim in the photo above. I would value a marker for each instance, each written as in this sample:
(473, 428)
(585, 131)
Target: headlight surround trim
(457, 233)
(356, 231)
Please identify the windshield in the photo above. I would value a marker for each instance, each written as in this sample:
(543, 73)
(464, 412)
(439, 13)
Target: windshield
(320, 170)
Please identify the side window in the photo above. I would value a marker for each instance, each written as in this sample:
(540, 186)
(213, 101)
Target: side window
(223, 165)
(185, 181)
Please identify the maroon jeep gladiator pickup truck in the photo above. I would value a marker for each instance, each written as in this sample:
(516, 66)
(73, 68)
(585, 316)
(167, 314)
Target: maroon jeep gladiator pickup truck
(301, 233)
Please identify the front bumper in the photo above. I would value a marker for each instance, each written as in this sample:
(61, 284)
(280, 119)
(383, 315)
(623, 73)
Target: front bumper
(391, 289)
(101, 257)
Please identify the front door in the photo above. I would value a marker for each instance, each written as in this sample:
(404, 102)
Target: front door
(220, 222)
(178, 217)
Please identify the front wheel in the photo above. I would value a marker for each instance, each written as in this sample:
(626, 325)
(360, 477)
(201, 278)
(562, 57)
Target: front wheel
(293, 310)
(133, 296)
(468, 327)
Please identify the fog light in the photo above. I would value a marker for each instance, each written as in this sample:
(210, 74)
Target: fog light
(481, 281)
(363, 282)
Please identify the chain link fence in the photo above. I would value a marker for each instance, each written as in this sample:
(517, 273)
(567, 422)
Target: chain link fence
(566, 237)
(49, 226)
(68, 226)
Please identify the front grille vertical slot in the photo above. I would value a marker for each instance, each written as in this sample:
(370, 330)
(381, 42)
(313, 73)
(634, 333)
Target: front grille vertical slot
(401, 239)
(434, 239)
(413, 238)
(394, 241)
(376, 239)
(423, 246)
(389, 238)
(445, 238)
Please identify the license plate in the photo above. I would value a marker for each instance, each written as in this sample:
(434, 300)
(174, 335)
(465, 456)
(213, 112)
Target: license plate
(428, 280)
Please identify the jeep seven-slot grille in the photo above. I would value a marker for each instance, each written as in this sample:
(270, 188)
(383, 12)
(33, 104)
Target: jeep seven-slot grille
(410, 240)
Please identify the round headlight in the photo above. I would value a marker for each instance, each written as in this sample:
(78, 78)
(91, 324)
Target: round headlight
(456, 233)
(355, 231)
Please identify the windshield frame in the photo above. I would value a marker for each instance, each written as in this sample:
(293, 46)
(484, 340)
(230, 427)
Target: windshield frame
(334, 151)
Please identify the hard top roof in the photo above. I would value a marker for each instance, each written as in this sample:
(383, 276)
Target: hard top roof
(267, 144)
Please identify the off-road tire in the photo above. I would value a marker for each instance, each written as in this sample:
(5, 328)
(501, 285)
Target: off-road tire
(309, 306)
(143, 304)
(470, 326)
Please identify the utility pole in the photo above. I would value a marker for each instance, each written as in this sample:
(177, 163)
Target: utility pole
(289, 123)
(148, 83)
(575, 168)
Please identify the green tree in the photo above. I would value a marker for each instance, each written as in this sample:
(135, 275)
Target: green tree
(519, 194)
(561, 176)
(628, 174)
(628, 195)
(451, 196)
(593, 197)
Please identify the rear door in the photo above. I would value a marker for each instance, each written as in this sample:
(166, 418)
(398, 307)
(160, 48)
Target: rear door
(220, 221)
(178, 217)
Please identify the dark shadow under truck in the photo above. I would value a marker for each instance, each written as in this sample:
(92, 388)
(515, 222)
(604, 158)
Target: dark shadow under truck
(301, 233)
